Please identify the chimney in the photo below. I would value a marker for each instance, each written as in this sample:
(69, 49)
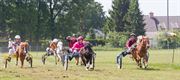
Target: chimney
(151, 15)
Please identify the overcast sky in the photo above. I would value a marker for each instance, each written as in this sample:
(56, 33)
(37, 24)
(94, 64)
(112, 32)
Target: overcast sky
(159, 7)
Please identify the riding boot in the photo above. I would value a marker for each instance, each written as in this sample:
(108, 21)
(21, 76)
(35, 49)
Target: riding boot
(124, 53)
(119, 56)
(70, 57)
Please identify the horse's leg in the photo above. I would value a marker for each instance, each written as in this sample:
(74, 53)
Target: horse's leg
(55, 58)
(137, 56)
(138, 61)
(77, 60)
(59, 56)
(91, 63)
(145, 61)
(87, 61)
(17, 56)
(83, 60)
(22, 57)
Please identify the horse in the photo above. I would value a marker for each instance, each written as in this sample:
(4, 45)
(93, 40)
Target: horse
(140, 52)
(55, 49)
(21, 53)
(88, 56)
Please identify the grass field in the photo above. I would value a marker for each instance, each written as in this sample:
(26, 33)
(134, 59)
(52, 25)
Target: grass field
(160, 68)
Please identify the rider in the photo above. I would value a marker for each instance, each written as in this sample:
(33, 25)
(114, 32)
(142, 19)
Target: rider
(71, 40)
(76, 48)
(12, 45)
(131, 43)
(52, 47)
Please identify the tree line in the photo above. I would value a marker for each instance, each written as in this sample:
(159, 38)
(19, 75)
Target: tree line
(37, 20)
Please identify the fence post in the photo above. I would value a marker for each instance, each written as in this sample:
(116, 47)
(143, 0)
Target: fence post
(173, 56)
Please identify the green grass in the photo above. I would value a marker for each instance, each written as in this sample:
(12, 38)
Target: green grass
(160, 68)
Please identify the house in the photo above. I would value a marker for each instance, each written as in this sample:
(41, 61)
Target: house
(159, 23)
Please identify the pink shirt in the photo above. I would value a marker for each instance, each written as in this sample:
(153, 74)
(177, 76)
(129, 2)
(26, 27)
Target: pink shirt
(77, 46)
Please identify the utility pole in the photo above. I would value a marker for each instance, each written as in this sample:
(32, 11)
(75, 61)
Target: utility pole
(168, 15)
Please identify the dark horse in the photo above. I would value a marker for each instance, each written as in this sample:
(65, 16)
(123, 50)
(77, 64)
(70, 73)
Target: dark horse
(88, 56)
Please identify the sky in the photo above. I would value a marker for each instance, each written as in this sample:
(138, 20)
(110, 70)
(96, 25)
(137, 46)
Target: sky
(159, 7)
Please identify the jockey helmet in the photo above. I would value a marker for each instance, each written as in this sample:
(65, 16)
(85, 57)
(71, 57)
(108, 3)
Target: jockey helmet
(132, 34)
(55, 40)
(80, 38)
(68, 37)
(17, 37)
(10, 39)
(74, 35)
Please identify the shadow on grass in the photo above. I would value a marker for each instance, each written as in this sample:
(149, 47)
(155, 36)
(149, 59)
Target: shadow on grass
(29, 67)
(97, 70)
(149, 69)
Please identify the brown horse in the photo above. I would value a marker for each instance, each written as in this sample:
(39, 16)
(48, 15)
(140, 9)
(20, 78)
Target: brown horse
(51, 51)
(21, 53)
(140, 52)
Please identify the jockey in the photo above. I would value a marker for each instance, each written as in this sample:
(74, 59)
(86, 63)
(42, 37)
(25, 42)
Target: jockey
(130, 44)
(12, 45)
(71, 40)
(52, 47)
(76, 48)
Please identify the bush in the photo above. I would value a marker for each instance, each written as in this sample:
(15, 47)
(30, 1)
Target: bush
(97, 42)
(116, 39)
(167, 41)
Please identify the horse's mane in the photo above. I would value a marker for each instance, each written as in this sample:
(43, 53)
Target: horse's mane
(141, 47)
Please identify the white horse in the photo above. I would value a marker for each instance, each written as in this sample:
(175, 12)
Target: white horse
(59, 50)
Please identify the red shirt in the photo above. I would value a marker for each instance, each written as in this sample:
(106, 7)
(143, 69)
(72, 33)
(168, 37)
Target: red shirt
(130, 42)
(71, 41)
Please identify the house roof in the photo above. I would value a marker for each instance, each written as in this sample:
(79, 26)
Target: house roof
(161, 23)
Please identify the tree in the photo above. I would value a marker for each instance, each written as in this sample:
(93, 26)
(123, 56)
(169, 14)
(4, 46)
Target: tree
(134, 19)
(119, 10)
(108, 25)
(56, 8)
(37, 20)
(40, 31)
(82, 17)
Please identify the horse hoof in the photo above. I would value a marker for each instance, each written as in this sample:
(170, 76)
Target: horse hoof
(91, 67)
(9, 59)
(87, 69)
(146, 66)
(140, 66)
